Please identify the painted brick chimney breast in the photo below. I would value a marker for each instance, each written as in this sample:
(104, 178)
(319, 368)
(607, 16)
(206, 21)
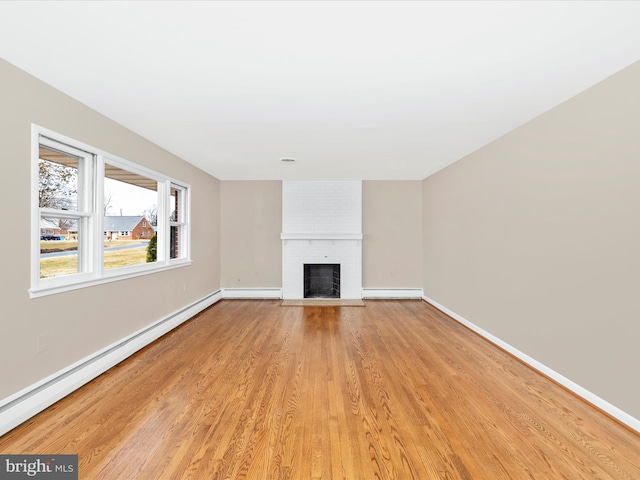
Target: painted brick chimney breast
(321, 224)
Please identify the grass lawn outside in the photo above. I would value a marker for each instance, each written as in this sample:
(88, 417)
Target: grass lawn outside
(47, 246)
(56, 266)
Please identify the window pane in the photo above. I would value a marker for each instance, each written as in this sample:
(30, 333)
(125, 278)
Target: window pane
(173, 242)
(128, 193)
(174, 201)
(130, 218)
(58, 180)
(58, 246)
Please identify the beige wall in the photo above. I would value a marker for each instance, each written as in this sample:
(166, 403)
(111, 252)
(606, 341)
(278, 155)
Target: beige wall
(83, 321)
(392, 234)
(536, 239)
(251, 224)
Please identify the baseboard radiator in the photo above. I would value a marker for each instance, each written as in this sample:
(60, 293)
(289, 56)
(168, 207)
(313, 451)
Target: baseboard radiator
(26, 403)
(392, 293)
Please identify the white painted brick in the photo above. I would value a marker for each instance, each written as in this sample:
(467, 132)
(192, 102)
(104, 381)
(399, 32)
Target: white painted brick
(322, 207)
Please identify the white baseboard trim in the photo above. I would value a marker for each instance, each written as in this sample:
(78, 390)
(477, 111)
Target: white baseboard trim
(29, 401)
(416, 293)
(590, 397)
(257, 293)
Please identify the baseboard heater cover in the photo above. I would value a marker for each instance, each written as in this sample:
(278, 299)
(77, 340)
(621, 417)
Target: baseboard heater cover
(249, 293)
(582, 392)
(31, 400)
(392, 293)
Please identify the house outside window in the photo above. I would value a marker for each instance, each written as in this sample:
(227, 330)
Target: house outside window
(69, 186)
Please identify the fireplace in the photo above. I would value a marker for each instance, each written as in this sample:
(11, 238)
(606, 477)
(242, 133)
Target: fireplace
(321, 280)
(321, 229)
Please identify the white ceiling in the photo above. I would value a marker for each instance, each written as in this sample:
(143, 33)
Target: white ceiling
(371, 90)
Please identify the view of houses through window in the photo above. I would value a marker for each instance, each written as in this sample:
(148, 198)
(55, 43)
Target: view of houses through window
(129, 220)
(130, 216)
(81, 195)
(60, 199)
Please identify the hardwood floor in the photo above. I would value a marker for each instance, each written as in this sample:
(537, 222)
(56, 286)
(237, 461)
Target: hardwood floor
(394, 390)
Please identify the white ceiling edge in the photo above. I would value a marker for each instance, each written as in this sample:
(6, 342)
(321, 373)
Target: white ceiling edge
(369, 90)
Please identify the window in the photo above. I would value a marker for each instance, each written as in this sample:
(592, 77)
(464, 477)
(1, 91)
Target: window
(88, 199)
(126, 186)
(62, 202)
(177, 221)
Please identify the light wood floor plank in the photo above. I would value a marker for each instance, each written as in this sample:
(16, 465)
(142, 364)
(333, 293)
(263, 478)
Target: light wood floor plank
(396, 390)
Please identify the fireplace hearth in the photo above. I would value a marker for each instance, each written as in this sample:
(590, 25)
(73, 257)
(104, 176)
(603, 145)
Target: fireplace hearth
(321, 280)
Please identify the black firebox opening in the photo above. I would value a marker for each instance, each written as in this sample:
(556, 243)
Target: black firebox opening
(321, 280)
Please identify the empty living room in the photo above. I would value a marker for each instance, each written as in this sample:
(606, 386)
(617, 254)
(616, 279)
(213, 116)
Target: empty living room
(320, 240)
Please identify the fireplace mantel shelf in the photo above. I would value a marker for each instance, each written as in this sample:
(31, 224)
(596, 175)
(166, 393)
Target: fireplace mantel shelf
(320, 236)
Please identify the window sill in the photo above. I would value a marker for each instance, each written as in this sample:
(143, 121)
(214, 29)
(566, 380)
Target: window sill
(108, 277)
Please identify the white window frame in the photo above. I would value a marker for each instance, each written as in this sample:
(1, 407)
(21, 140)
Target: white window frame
(90, 213)
(183, 223)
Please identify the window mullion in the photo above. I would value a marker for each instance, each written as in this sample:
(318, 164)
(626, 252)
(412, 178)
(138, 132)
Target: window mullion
(84, 205)
(98, 218)
(163, 226)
